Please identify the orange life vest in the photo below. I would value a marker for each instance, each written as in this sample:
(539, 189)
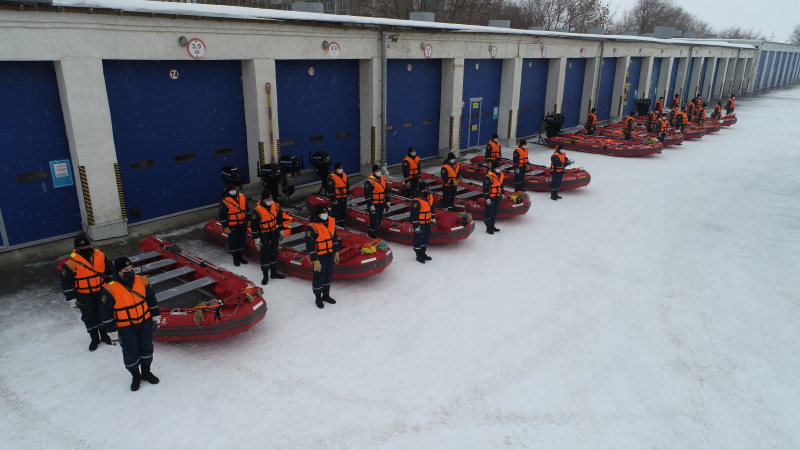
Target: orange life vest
(267, 217)
(591, 119)
(732, 102)
(378, 190)
(653, 117)
(561, 157)
(413, 166)
(130, 306)
(494, 151)
(496, 189)
(452, 171)
(424, 209)
(89, 277)
(324, 241)
(629, 121)
(689, 108)
(237, 209)
(676, 102)
(339, 184)
(718, 110)
(659, 106)
(681, 118)
(523, 157)
(662, 126)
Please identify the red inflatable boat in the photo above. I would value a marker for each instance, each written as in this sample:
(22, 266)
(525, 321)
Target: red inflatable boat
(198, 300)
(396, 227)
(605, 145)
(638, 134)
(728, 120)
(537, 179)
(359, 256)
(469, 198)
(692, 131)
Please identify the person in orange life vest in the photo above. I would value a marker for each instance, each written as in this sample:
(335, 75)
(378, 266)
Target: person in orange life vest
(558, 164)
(591, 122)
(322, 245)
(411, 171)
(659, 105)
(697, 103)
(661, 128)
(493, 149)
(492, 194)
(690, 111)
(681, 120)
(266, 227)
(700, 115)
(83, 275)
(423, 218)
(450, 180)
(730, 105)
(233, 218)
(338, 192)
(377, 199)
(676, 102)
(652, 119)
(130, 313)
(628, 124)
(717, 111)
(520, 161)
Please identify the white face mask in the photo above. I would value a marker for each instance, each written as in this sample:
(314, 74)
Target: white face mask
(452, 161)
(377, 173)
(268, 202)
(525, 146)
(231, 192)
(413, 154)
(323, 216)
(497, 170)
(339, 171)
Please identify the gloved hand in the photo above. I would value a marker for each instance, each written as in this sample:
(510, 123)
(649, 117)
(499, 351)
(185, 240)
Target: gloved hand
(257, 243)
(433, 221)
(73, 303)
(280, 237)
(516, 170)
(336, 258)
(114, 336)
(416, 229)
(226, 230)
(317, 266)
(156, 323)
(488, 201)
(370, 209)
(387, 205)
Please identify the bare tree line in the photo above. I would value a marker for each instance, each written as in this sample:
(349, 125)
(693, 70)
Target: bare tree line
(576, 15)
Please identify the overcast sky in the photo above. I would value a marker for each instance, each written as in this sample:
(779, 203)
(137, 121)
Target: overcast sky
(766, 16)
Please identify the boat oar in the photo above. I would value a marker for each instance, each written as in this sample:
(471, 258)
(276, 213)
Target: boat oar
(200, 262)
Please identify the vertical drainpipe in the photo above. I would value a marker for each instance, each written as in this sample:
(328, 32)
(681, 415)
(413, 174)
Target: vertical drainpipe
(599, 77)
(384, 150)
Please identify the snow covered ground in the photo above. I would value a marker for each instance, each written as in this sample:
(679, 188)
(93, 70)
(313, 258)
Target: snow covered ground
(656, 308)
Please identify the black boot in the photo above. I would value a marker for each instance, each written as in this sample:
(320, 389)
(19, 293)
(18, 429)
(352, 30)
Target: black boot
(148, 376)
(425, 254)
(265, 279)
(136, 380)
(489, 229)
(557, 196)
(326, 295)
(420, 256)
(104, 337)
(95, 335)
(235, 259)
(241, 257)
(277, 275)
(318, 300)
(553, 195)
(495, 229)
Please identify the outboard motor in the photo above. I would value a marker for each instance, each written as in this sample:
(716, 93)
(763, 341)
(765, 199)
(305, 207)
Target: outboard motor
(552, 124)
(642, 106)
(231, 175)
(322, 167)
(272, 176)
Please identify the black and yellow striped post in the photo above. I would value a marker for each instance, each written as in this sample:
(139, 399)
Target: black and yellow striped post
(372, 137)
(261, 160)
(87, 197)
(510, 118)
(122, 207)
(452, 123)
(278, 150)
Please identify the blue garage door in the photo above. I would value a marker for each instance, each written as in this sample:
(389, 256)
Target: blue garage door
(533, 88)
(318, 110)
(606, 91)
(481, 99)
(573, 91)
(176, 124)
(703, 78)
(673, 78)
(653, 92)
(412, 111)
(32, 138)
(632, 85)
(762, 63)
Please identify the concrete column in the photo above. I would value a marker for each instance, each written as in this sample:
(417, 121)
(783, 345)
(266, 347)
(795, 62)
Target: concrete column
(620, 80)
(644, 78)
(711, 66)
(554, 96)
(693, 83)
(748, 76)
(769, 65)
(590, 87)
(256, 74)
(509, 101)
(87, 118)
(664, 78)
(450, 107)
(725, 86)
(372, 136)
(682, 79)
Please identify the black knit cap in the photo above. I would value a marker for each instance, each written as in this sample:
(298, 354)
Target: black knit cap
(121, 263)
(81, 241)
(337, 165)
(265, 194)
(375, 167)
(494, 163)
(321, 208)
(451, 155)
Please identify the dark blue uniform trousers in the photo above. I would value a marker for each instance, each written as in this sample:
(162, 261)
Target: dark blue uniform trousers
(137, 344)
(322, 279)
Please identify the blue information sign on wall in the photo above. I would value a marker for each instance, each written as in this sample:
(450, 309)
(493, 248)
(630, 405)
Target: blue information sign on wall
(61, 173)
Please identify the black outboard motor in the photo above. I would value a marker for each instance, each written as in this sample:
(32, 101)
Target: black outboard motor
(642, 106)
(272, 176)
(552, 124)
(231, 175)
(291, 165)
(322, 166)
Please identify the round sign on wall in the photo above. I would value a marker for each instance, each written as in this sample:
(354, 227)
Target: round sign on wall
(583, 52)
(196, 48)
(493, 51)
(173, 74)
(428, 50)
(477, 66)
(409, 67)
(311, 71)
(334, 49)
(544, 52)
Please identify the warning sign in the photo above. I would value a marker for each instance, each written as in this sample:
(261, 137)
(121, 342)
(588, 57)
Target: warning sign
(196, 48)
